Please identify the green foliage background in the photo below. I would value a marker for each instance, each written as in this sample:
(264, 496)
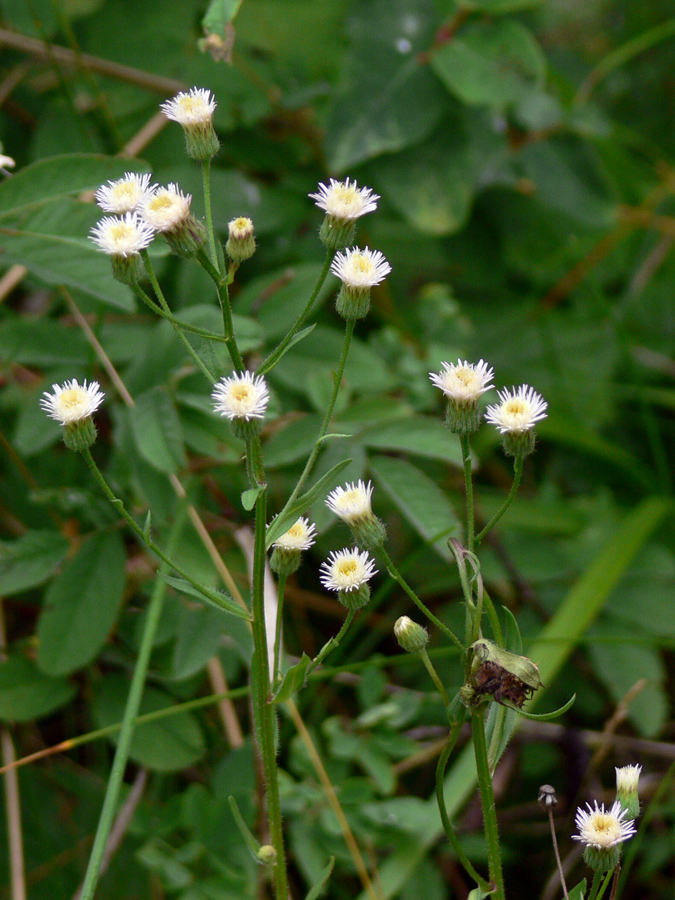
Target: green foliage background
(523, 151)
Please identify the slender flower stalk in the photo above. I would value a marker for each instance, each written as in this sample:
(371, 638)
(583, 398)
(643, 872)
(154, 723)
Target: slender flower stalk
(131, 709)
(192, 353)
(487, 799)
(517, 475)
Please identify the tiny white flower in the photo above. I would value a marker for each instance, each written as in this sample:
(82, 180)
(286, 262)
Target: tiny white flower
(518, 410)
(122, 236)
(300, 536)
(166, 207)
(360, 269)
(602, 828)
(628, 778)
(190, 109)
(124, 195)
(241, 396)
(72, 402)
(465, 382)
(351, 503)
(347, 570)
(345, 200)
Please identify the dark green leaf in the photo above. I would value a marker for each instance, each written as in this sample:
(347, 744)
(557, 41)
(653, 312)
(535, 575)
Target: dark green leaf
(219, 599)
(156, 430)
(27, 694)
(81, 605)
(422, 436)
(30, 560)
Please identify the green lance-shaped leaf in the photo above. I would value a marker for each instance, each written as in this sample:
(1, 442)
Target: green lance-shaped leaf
(323, 880)
(219, 599)
(293, 680)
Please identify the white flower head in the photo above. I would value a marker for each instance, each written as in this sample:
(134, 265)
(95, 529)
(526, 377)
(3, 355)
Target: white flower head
(345, 200)
(347, 570)
(300, 536)
(166, 208)
(194, 108)
(124, 195)
(627, 778)
(464, 382)
(122, 236)
(72, 402)
(518, 411)
(360, 269)
(352, 502)
(602, 828)
(242, 396)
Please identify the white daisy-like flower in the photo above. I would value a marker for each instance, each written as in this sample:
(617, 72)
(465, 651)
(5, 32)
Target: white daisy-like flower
(464, 382)
(122, 236)
(124, 195)
(345, 200)
(166, 207)
(300, 536)
(602, 828)
(241, 396)
(347, 570)
(518, 411)
(627, 778)
(352, 502)
(72, 402)
(360, 269)
(190, 109)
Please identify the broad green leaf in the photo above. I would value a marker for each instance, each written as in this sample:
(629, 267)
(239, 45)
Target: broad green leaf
(491, 63)
(293, 680)
(218, 599)
(316, 890)
(294, 442)
(421, 436)
(156, 429)
(420, 500)
(61, 176)
(82, 605)
(167, 745)
(199, 635)
(41, 342)
(219, 14)
(26, 693)
(432, 185)
(30, 560)
(578, 892)
(388, 99)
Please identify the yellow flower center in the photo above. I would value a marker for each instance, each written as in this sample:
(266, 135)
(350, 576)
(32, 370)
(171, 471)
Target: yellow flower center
(347, 567)
(241, 393)
(164, 201)
(121, 232)
(515, 407)
(296, 530)
(71, 399)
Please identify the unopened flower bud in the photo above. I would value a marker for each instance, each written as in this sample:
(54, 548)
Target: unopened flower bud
(412, 637)
(267, 855)
(627, 781)
(240, 244)
(547, 798)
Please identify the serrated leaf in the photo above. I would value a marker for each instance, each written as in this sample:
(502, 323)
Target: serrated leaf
(81, 606)
(285, 519)
(156, 429)
(293, 680)
(219, 599)
(26, 693)
(30, 560)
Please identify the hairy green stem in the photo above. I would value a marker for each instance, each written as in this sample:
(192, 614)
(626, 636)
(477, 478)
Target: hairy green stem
(263, 710)
(445, 818)
(333, 642)
(165, 306)
(487, 799)
(428, 665)
(112, 792)
(206, 182)
(595, 886)
(468, 484)
(220, 282)
(281, 588)
(280, 349)
(517, 475)
(192, 329)
(396, 575)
